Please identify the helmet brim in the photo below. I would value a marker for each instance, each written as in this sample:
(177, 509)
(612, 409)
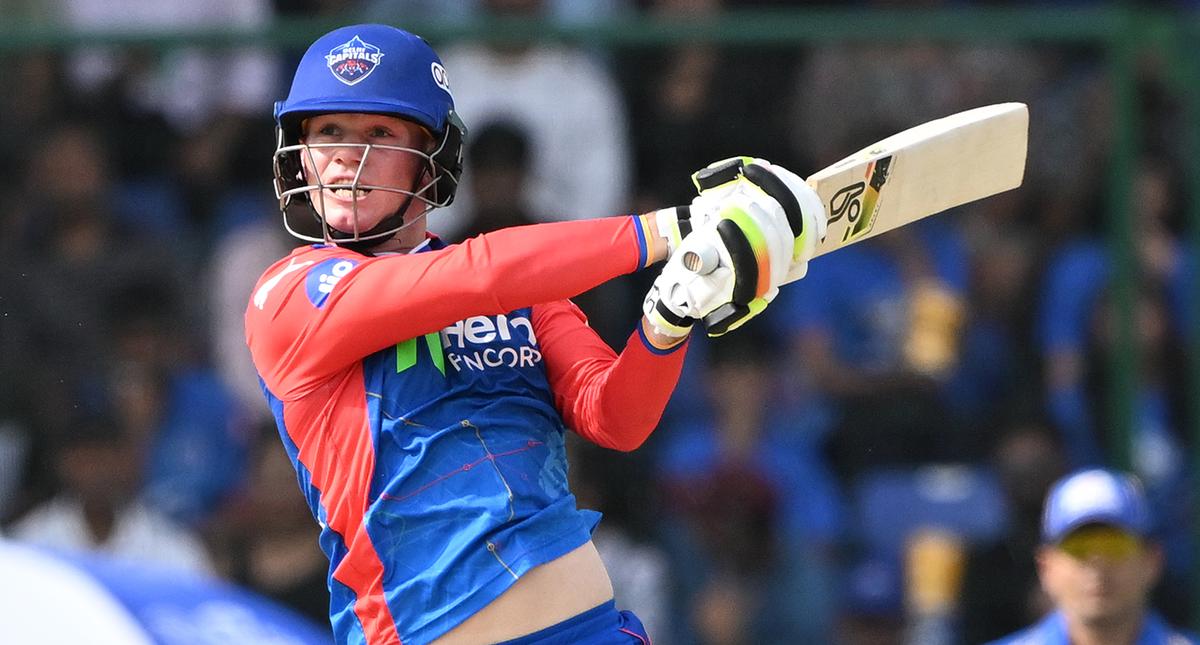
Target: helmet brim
(293, 113)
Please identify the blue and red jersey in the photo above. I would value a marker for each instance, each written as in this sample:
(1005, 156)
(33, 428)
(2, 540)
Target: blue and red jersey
(1052, 630)
(423, 399)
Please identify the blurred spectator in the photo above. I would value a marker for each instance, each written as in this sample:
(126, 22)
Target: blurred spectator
(499, 159)
(1160, 421)
(242, 251)
(1073, 290)
(1078, 324)
(191, 120)
(692, 102)
(999, 368)
(189, 88)
(280, 558)
(879, 326)
(753, 506)
(402, 12)
(98, 507)
(36, 103)
(1098, 561)
(724, 609)
(566, 101)
(1000, 587)
(72, 255)
(194, 440)
(847, 89)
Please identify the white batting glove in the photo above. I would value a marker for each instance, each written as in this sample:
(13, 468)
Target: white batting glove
(721, 273)
(798, 207)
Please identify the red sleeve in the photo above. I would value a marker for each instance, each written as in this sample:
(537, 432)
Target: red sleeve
(613, 401)
(302, 327)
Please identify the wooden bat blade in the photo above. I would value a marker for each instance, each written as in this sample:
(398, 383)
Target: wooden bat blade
(921, 171)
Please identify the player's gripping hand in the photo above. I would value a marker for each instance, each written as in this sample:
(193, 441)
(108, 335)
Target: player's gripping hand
(740, 180)
(725, 272)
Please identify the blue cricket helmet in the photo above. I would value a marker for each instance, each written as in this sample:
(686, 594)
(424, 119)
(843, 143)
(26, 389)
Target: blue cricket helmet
(376, 69)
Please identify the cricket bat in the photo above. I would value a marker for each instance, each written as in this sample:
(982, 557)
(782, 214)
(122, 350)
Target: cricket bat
(921, 171)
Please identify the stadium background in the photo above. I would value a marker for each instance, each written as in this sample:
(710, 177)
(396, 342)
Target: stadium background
(871, 465)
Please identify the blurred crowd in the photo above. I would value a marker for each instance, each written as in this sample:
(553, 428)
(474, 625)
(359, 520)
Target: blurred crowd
(864, 464)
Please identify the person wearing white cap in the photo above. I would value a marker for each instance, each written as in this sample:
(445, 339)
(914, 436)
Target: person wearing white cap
(1098, 563)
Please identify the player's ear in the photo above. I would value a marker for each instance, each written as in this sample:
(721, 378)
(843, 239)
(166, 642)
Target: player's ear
(1153, 562)
(1041, 558)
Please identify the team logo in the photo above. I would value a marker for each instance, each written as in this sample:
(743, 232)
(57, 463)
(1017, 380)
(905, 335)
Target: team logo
(353, 61)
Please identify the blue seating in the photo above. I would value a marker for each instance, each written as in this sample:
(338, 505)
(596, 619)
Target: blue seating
(890, 504)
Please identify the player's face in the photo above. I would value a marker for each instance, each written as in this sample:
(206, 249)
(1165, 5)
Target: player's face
(340, 154)
(1099, 576)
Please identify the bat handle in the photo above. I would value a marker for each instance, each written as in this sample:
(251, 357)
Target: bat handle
(701, 260)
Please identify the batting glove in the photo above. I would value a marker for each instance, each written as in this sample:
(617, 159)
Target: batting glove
(796, 206)
(721, 273)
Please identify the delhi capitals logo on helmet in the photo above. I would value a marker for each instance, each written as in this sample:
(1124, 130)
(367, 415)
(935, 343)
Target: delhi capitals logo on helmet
(353, 61)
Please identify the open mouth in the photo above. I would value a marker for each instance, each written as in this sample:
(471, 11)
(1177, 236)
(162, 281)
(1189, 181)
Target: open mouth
(349, 193)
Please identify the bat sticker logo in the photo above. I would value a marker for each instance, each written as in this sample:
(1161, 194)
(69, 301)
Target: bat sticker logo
(877, 175)
(846, 203)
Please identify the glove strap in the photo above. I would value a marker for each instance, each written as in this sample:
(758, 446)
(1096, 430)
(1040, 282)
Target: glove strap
(718, 173)
(675, 227)
(667, 322)
(730, 316)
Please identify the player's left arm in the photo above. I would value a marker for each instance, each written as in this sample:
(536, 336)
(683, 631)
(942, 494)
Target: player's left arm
(612, 400)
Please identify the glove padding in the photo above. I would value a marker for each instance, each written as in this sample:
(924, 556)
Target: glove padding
(799, 204)
(721, 273)
(755, 226)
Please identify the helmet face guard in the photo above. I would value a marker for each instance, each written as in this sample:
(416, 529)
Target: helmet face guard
(373, 69)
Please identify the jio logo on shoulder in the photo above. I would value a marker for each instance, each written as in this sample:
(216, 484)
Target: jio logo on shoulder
(323, 277)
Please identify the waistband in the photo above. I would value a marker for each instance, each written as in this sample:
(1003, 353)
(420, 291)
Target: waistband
(574, 628)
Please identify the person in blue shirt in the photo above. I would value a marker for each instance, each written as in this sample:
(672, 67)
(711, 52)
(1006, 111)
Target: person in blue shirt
(1098, 563)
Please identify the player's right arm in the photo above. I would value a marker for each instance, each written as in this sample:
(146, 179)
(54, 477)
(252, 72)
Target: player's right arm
(310, 316)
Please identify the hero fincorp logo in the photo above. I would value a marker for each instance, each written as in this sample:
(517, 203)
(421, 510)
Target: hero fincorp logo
(353, 61)
(482, 342)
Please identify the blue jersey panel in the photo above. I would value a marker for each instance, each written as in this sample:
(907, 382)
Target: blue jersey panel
(465, 434)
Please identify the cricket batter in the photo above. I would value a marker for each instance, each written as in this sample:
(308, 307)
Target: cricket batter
(422, 390)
